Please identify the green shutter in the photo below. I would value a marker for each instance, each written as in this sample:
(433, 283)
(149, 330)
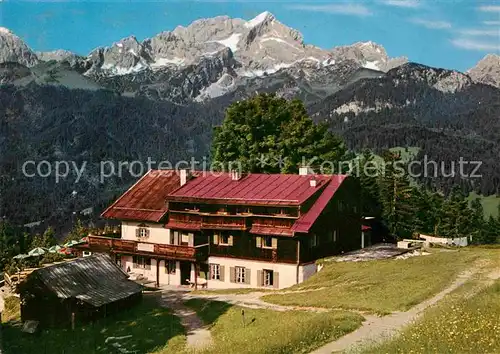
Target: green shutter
(258, 242)
(248, 275)
(222, 272)
(232, 274)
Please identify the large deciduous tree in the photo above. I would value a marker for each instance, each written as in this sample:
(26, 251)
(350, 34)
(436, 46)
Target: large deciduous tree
(270, 134)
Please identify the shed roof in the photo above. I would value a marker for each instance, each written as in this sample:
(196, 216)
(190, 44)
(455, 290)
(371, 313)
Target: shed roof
(255, 189)
(146, 199)
(95, 280)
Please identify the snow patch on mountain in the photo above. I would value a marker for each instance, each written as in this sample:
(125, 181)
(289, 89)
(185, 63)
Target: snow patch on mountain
(374, 65)
(258, 19)
(161, 62)
(231, 42)
(225, 84)
(113, 70)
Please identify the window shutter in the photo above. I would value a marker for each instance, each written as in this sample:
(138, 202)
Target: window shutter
(137, 232)
(134, 260)
(222, 272)
(276, 280)
(258, 241)
(260, 278)
(274, 242)
(247, 275)
(147, 232)
(216, 239)
(232, 274)
(230, 240)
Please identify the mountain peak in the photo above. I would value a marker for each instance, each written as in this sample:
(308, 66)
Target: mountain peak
(13, 49)
(487, 70)
(5, 30)
(264, 17)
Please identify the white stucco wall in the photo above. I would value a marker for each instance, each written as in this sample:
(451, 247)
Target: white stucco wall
(157, 233)
(150, 274)
(287, 272)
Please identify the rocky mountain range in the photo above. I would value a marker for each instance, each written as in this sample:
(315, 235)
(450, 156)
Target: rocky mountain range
(160, 97)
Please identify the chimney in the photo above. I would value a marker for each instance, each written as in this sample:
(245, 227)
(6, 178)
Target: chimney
(312, 182)
(235, 175)
(305, 170)
(184, 175)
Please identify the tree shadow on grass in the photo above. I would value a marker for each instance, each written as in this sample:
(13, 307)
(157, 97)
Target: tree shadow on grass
(140, 329)
(209, 311)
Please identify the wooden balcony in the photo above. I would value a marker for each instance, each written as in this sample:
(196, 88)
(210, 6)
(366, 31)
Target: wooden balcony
(117, 245)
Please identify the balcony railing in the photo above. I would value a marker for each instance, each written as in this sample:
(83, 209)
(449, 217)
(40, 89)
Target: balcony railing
(115, 245)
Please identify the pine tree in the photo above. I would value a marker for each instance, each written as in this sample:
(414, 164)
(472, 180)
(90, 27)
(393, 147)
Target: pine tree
(367, 172)
(428, 207)
(396, 196)
(455, 220)
(478, 222)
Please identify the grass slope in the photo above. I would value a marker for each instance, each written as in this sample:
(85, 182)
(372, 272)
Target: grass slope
(144, 328)
(490, 203)
(462, 324)
(265, 331)
(381, 286)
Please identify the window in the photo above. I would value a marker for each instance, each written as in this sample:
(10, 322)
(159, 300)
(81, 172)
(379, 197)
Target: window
(142, 231)
(174, 237)
(240, 274)
(215, 272)
(314, 240)
(86, 253)
(223, 239)
(268, 277)
(185, 239)
(266, 242)
(170, 267)
(142, 262)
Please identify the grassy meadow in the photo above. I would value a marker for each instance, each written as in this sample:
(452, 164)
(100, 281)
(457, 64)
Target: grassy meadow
(256, 331)
(460, 324)
(381, 286)
(142, 329)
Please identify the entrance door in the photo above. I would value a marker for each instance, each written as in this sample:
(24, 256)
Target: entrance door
(185, 272)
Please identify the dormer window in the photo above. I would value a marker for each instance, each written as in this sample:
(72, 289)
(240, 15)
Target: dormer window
(142, 231)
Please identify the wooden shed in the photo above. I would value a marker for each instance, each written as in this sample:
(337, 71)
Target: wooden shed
(81, 290)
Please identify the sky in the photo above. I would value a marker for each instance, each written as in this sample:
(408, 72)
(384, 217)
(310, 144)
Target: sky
(452, 34)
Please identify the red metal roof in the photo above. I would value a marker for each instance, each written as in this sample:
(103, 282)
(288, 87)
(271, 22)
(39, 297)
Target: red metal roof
(145, 200)
(255, 189)
(270, 231)
(306, 221)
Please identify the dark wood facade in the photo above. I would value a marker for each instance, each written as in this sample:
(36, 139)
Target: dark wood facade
(336, 228)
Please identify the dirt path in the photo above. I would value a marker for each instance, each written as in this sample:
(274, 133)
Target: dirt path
(197, 334)
(251, 300)
(376, 329)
